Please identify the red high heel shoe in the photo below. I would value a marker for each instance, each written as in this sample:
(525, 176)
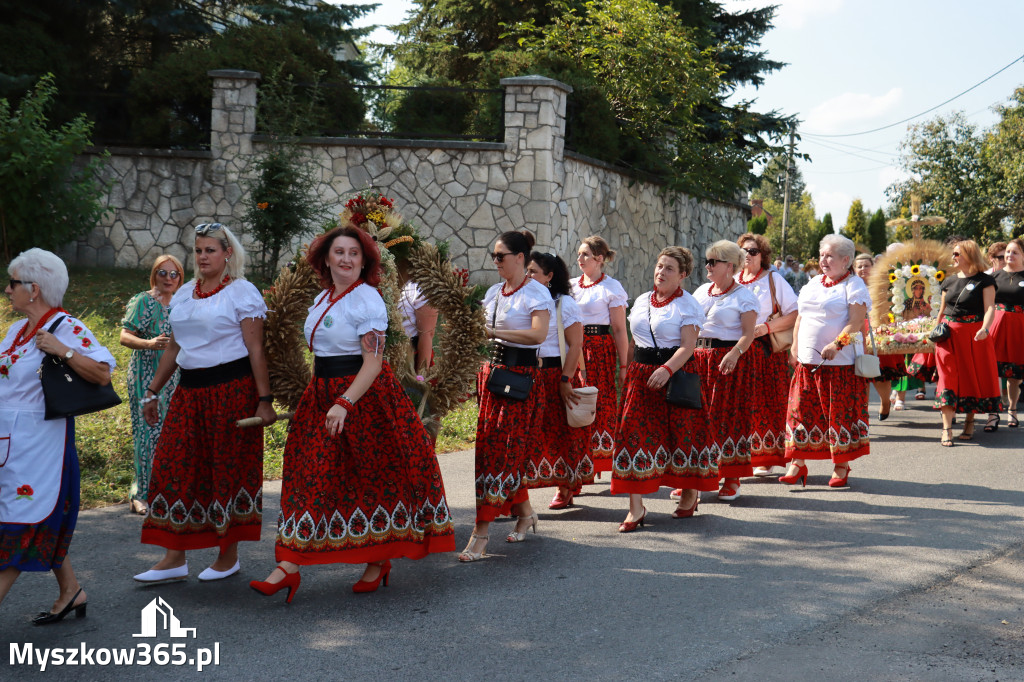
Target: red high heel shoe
(800, 475)
(560, 501)
(836, 482)
(267, 589)
(630, 526)
(686, 513)
(371, 585)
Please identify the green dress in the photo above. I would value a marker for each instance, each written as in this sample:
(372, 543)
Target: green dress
(145, 317)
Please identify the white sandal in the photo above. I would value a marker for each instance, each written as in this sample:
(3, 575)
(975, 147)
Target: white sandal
(898, 405)
(468, 557)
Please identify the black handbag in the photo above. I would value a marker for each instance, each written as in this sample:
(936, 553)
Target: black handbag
(66, 393)
(940, 333)
(683, 389)
(504, 382)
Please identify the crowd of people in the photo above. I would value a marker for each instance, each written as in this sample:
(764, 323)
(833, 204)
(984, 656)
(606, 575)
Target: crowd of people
(752, 374)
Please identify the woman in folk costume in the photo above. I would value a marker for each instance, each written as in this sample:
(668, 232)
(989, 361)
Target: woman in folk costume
(361, 482)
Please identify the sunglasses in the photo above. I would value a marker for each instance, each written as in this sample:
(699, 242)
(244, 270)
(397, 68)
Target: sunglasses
(173, 274)
(956, 254)
(207, 228)
(498, 256)
(712, 262)
(999, 257)
(15, 282)
(753, 252)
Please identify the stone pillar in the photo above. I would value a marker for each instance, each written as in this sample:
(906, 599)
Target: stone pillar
(535, 147)
(232, 125)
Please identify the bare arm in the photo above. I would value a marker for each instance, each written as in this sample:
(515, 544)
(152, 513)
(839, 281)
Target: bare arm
(130, 340)
(779, 324)
(372, 363)
(794, 349)
(687, 343)
(90, 370)
(426, 323)
(989, 298)
(857, 313)
(536, 334)
(618, 320)
(252, 337)
(573, 351)
(730, 359)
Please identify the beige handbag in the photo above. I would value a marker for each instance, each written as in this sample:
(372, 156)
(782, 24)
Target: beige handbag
(780, 341)
(865, 364)
(584, 412)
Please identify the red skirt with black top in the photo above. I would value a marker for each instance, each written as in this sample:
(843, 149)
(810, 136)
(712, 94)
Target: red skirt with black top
(729, 408)
(371, 493)
(658, 443)
(768, 394)
(600, 358)
(504, 431)
(1008, 337)
(206, 487)
(559, 453)
(922, 367)
(968, 377)
(828, 414)
(893, 366)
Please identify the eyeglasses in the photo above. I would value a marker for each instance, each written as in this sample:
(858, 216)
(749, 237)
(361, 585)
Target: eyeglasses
(712, 262)
(207, 228)
(753, 252)
(498, 256)
(1001, 256)
(19, 281)
(173, 274)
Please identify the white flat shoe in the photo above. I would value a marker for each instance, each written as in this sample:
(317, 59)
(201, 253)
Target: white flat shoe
(762, 471)
(164, 575)
(209, 573)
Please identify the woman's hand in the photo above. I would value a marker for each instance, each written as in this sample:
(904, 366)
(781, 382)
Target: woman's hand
(569, 396)
(622, 374)
(659, 378)
(336, 419)
(729, 360)
(981, 334)
(794, 360)
(266, 412)
(760, 330)
(159, 342)
(829, 351)
(48, 343)
(149, 411)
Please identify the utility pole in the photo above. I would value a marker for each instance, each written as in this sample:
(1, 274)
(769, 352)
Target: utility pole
(785, 198)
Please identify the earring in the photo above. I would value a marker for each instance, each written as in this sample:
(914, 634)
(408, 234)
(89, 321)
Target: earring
(31, 300)
(227, 258)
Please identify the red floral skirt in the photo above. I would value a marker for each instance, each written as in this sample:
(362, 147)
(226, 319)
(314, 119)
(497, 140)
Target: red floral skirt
(661, 444)
(729, 409)
(559, 453)
(371, 493)
(769, 394)
(894, 368)
(206, 488)
(601, 361)
(968, 378)
(1008, 337)
(828, 414)
(922, 367)
(504, 433)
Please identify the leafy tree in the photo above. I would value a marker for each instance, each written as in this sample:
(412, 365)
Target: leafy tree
(950, 172)
(771, 183)
(47, 200)
(758, 224)
(825, 228)
(877, 236)
(801, 231)
(856, 227)
(1004, 156)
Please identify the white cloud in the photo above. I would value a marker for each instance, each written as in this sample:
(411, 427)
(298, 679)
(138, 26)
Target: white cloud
(831, 201)
(836, 114)
(889, 175)
(792, 14)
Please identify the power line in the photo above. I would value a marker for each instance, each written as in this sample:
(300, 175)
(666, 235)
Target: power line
(927, 111)
(848, 153)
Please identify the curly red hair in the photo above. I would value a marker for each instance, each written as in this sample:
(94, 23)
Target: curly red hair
(317, 253)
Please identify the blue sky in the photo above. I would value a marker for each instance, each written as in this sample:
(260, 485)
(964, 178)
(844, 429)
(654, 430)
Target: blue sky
(855, 65)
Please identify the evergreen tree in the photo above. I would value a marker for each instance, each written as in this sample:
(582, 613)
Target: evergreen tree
(877, 237)
(825, 228)
(857, 224)
(758, 224)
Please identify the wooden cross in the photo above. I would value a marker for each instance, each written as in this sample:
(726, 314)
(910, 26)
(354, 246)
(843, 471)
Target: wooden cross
(916, 221)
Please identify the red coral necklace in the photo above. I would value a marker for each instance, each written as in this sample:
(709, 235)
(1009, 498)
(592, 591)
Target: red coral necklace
(826, 282)
(592, 284)
(521, 285)
(748, 281)
(21, 338)
(655, 303)
(223, 283)
(720, 293)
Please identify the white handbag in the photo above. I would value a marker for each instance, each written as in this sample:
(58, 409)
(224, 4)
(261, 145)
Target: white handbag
(867, 365)
(583, 412)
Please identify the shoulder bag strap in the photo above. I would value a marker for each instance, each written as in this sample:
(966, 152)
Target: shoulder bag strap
(651, 325)
(776, 308)
(53, 327)
(561, 330)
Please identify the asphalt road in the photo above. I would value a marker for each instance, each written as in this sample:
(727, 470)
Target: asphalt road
(914, 572)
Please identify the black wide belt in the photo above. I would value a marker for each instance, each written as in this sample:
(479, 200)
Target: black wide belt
(714, 343)
(511, 356)
(653, 356)
(548, 363)
(337, 366)
(597, 329)
(218, 374)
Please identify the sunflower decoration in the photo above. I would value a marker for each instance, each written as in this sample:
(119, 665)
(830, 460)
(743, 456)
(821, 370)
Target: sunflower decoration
(915, 269)
(892, 277)
(940, 275)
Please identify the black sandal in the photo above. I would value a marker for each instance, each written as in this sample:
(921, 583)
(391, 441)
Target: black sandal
(1011, 419)
(946, 442)
(993, 422)
(968, 432)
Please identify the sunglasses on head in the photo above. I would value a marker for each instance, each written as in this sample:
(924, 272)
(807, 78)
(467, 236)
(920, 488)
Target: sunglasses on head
(173, 274)
(712, 262)
(753, 252)
(207, 228)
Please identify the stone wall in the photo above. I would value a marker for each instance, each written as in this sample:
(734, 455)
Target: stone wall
(464, 192)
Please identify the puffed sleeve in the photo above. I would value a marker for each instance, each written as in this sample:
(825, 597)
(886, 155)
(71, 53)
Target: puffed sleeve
(571, 313)
(418, 299)
(76, 336)
(784, 293)
(132, 320)
(857, 292)
(248, 301)
(616, 296)
(690, 312)
(369, 312)
(537, 297)
(746, 301)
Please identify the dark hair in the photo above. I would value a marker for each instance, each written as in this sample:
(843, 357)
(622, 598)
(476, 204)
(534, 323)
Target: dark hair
(680, 255)
(518, 242)
(318, 251)
(762, 245)
(554, 266)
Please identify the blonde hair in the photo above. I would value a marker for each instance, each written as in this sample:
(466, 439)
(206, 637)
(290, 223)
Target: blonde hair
(235, 267)
(156, 266)
(727, 251)
(970, 253)
(599, 247)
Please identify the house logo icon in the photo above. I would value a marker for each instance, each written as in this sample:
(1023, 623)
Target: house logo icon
(158, 615)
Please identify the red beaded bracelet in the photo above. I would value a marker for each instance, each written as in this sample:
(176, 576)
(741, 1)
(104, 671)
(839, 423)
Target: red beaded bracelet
(342, 401)
(667, 369)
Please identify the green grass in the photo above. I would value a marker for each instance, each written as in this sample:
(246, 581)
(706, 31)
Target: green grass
(97, 296)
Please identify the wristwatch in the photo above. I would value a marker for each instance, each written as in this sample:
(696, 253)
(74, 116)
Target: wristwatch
(69, 354)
